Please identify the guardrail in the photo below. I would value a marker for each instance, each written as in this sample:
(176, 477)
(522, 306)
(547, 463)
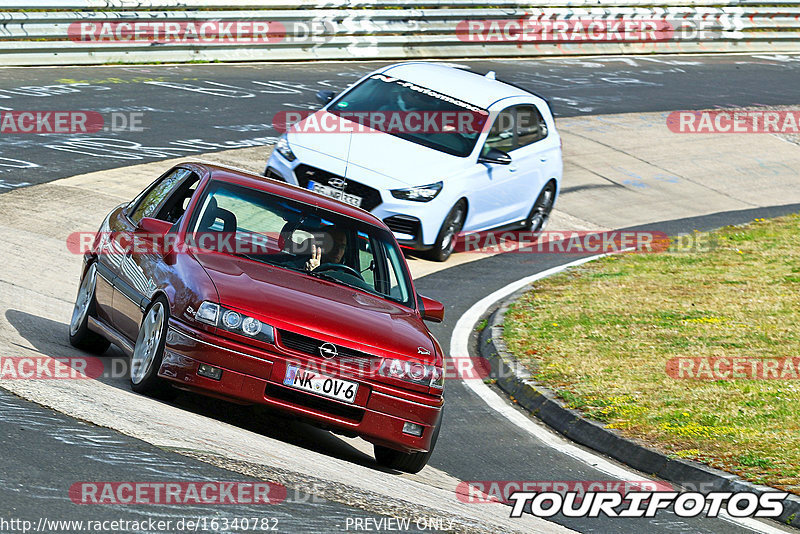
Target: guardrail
(54, 32)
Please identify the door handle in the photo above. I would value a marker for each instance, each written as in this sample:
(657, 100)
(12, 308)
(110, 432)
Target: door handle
(543, 160)
(512, 168)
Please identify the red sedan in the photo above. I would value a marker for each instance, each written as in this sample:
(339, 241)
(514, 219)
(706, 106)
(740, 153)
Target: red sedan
(235, 286)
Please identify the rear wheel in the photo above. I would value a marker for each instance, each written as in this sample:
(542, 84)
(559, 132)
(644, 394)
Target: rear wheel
(448, 234)
(408, 462)
(80, 336)
(149, 351)
(540, 212)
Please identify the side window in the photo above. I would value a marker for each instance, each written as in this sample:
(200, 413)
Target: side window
(501, 135)
(151, 201)
(365, 258)
(175, 206)
(396, 290)
(530, 125)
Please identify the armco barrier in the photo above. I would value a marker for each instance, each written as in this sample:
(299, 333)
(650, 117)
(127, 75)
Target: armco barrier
(47, 32)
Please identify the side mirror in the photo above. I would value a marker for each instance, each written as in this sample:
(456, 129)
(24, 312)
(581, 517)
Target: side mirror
(431, 310)
(148, 225)
(496, 156)
(325, 96)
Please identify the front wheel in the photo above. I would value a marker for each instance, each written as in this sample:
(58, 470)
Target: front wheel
(448, 234)
(80, 336)
(408, 462)
(540, 212)
(149, 351)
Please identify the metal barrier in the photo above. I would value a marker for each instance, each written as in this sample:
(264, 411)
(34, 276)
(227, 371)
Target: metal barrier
(57, 32)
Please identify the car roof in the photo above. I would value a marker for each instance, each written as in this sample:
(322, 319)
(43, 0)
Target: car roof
(463, 84)
(262, 183)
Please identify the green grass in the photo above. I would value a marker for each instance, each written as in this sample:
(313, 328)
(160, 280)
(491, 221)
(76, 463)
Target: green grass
(601, 336)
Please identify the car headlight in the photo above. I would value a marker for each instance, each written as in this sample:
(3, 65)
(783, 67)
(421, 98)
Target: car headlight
(413, 372)
(283, 148)
(423, 193)
(233, 321)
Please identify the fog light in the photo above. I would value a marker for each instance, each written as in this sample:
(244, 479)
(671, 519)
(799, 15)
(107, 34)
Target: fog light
(412, 428)
(214, 373)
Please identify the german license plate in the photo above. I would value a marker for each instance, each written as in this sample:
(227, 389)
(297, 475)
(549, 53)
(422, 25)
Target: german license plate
(327, 386)
(332, 192)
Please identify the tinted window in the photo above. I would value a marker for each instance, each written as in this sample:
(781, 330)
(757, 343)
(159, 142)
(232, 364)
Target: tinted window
(501, 135)
(149, 204)
(530, 125)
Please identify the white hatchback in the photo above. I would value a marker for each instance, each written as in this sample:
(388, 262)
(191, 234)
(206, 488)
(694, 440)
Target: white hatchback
(430, 184)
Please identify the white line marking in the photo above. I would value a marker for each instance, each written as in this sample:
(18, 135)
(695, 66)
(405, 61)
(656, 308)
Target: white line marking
(459, 344)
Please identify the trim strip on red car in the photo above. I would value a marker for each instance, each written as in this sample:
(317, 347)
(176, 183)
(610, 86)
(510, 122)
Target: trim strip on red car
(220, 347)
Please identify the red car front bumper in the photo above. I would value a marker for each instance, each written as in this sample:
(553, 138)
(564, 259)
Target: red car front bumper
(255, 376)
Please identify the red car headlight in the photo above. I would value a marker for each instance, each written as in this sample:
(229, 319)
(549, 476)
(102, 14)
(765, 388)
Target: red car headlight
(215, 315)
(413, 372)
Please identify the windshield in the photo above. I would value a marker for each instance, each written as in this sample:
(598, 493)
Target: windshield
(414, 113)
(292, 235)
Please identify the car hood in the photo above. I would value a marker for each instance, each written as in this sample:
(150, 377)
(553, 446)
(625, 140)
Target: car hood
(374, 157)
(318, 308)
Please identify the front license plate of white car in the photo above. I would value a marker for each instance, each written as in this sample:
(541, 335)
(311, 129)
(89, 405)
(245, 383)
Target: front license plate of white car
(326, 386)
(332, 192)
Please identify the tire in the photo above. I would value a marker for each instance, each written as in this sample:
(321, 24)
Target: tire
(408, 462)
(448, 233)
(148, 352)
(540, 212)
(80, 336)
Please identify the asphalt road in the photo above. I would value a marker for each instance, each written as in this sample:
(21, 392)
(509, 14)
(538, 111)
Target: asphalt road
(44, 453)
(182, 110)
(198, 108)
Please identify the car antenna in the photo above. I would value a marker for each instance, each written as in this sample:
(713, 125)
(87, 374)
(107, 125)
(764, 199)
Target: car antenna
(491, 75)
(347, 161)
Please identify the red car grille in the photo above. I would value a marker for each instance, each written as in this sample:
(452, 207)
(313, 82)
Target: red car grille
(346, 357)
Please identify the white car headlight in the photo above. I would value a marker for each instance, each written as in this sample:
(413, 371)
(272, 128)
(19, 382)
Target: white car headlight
(283, 148)
(422, 193)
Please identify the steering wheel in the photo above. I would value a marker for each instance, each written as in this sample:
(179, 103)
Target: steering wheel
(339, 267)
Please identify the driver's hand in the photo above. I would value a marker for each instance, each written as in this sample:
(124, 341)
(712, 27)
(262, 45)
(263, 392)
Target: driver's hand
(313, 262)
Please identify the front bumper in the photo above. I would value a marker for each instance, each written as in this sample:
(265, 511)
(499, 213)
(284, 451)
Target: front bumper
(254, 376)
(429, 216)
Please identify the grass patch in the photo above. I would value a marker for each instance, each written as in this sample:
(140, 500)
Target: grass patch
(601, 335)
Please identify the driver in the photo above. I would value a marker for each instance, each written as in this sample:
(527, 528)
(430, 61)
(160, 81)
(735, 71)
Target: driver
(338, 240)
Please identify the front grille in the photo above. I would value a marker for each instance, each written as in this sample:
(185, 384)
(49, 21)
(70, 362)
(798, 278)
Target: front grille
(403, 224)
(347, 357)
(370, 198)
(309, 400)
